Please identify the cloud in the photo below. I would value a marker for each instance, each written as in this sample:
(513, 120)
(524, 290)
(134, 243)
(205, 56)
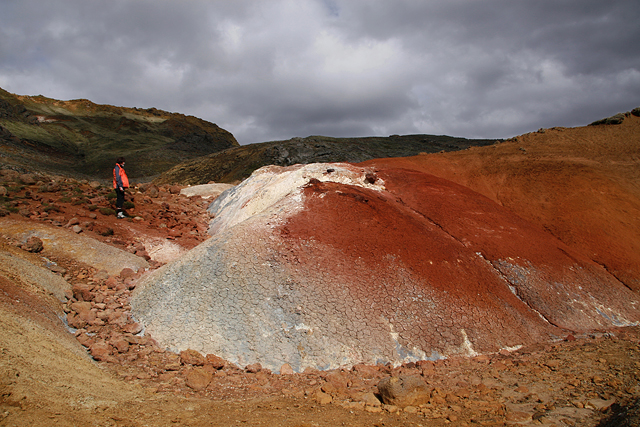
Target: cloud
(284, 68)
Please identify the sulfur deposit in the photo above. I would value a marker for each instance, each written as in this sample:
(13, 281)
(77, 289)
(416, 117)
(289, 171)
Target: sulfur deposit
(329, 265)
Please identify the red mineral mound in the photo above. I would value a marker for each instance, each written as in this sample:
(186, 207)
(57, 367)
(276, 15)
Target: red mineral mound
(327, 265)
(580, 184)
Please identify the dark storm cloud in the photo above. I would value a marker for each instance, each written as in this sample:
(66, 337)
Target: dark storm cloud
(278, 69)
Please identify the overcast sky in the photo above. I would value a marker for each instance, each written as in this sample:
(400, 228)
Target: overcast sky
(267, 70)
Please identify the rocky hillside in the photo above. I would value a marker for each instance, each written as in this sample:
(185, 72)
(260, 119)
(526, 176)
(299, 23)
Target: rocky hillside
(236, 164)
(79, 137)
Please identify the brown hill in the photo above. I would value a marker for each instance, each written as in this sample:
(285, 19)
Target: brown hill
(79, 137)
(581, 184)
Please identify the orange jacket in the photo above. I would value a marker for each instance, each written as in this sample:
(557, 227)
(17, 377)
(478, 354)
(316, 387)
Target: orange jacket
(120, 178)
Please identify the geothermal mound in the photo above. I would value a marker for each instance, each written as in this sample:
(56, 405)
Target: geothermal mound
(327, 265)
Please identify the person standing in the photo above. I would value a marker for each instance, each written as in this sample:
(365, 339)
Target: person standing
(120, 182)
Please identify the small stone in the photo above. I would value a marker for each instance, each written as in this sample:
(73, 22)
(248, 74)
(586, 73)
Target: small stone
(82, 292)
(322, 397)
(119, 343)
(85, 340)
(133, 328)
(192, 357)
(215, 361)
(198, 379)
(27, 179)
(76, 229)
(600, 404)
(127, 272)
(81, 306)
(111, 283)
(286, 369)
(101, 275)
(33, 244)
(370, 399)
(253, 368)
(519, 416)
(404, 391)
(100, 350)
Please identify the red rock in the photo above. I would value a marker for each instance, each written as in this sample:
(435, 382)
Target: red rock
(366, 371)
(172, 362)
(133, 328)
(253, 368)
(100, 350)
(215, 361)
(286, 369)
(111, 282)
(175, 233)
(75, 321)
(101, 275)
(338, 379)
(152, 191)
(85, 340)
(322, 398)
(119, 343)
(198, 379)
(192, 357)
(27, 179)
(80, 306)
(119, 319)
(82, 292)
(127, 272)
(88, 316)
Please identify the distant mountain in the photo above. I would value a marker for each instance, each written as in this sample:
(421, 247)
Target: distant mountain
(237, 163)
(81, 138)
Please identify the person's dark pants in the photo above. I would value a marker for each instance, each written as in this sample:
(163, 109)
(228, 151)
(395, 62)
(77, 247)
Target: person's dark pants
(119, 200)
